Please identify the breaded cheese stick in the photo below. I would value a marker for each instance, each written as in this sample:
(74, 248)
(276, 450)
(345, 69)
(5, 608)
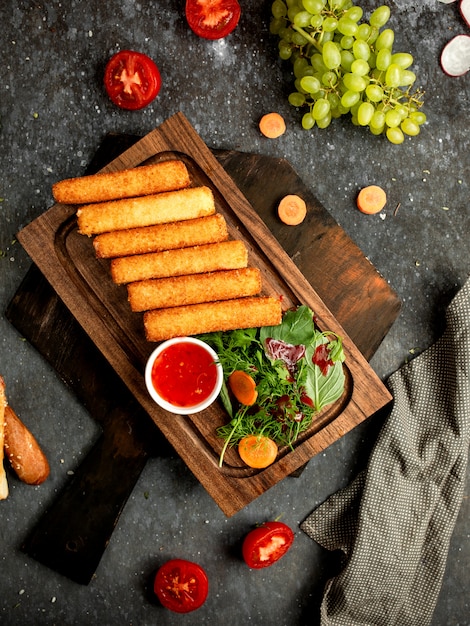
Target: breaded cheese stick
(193, 289)
(252, 312)
(182, 234)
(226, 255)
(170, 206)
(139, 181)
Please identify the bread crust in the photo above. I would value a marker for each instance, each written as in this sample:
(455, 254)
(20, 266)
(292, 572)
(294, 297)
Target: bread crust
(139, 181)
(23, 451)
(192, 289)
(226, 255)
(162, 324)
(182, 234)
(160, 208)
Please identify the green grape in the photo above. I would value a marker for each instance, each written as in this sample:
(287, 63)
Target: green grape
(392, 118)
(342, 65)
(316, 21)
(365, 113)
(354, 82)
(334, 101)
(402, 111)
(321, 108)
(324, 122)
(377, 120)
(354, 14)
(410, 127)
(336, 5)
(376, 131)
(374, 33)
(296, 99)
(380, 16)
(313, 6)
(347, 27)
(383, 59)
(331, 55)
(330, 24)
(299, 65)
(374, 92)
(407, 78)
(307, 121)
(350, 98)
(393, 75)
(307, 71)
(298, 39)
(403, 59)
(347, 59)
(385, 39)
(395, 135)
(329, 79)
(361, 49)
(276, 25)
(302, 19)
(292, 12)
(361, 67)
(298, 86)
(418, 116)
(310, 84)
(317, 63)
(278, 9)
(363, 32)
(285, 50)
(346, 42)
(286, 34)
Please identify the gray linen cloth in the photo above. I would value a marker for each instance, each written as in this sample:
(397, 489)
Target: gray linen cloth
(395, 521)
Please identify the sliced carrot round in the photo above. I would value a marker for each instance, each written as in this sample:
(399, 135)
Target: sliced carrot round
(257, 451)
(272, 125)
(371, 199)
(243, 387)
(292, 210)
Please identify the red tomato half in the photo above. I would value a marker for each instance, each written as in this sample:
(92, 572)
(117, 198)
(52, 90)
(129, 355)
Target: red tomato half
(212, 19)
(181, 586)
(131, 79)
(266, 544)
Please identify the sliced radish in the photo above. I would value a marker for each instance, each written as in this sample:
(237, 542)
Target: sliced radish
(455, 57)
(465, 10)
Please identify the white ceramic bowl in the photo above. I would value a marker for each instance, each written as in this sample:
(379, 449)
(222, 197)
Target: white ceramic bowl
(174, 408)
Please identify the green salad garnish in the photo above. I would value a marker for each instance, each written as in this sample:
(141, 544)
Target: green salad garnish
(297, 369)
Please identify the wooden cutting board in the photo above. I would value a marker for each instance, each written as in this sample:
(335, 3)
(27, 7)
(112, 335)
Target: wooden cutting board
(74, 532)
(83, 283)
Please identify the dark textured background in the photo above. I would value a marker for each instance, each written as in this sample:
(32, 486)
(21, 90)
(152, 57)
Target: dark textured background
(54, 115)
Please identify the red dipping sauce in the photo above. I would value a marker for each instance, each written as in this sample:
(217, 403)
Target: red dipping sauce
(184, 374)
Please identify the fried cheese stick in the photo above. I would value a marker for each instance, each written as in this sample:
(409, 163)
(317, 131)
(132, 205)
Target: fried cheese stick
(226, 255)
(139, 181)
(251, 312)
(170, 206)
(182, 290)
(3, 476)
(182, 234)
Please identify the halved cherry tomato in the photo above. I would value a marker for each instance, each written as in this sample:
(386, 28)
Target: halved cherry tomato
(212, 19)
(266, 544)
(132, 80)
(181, 586)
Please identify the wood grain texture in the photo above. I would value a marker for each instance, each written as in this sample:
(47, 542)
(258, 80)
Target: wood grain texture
(82, 282)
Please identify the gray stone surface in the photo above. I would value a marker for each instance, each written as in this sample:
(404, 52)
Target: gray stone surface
(54, 114)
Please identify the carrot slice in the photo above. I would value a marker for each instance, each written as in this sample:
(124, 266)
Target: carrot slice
(257, 451)
(371, 199)
(272, 125)
(292, 210)
(243, 387)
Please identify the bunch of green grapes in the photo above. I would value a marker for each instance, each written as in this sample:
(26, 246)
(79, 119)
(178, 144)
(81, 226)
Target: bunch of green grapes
(343, 65)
